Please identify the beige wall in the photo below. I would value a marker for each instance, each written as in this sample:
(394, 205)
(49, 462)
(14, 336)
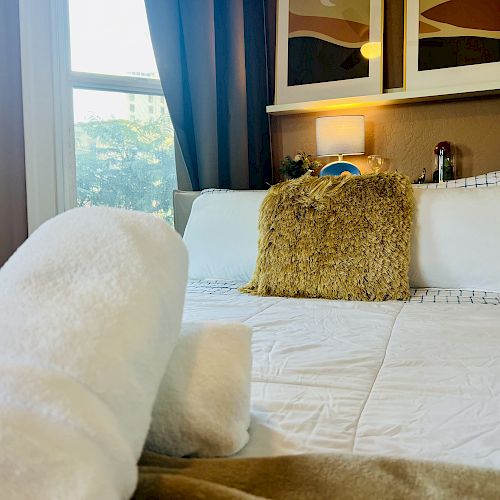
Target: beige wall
(407, 133)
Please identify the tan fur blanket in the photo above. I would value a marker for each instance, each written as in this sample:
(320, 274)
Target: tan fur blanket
(307, 477)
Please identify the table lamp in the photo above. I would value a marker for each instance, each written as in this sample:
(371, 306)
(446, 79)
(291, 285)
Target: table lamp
(340, 135)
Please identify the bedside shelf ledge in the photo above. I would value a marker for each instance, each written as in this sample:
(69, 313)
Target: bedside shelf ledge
(387, 98)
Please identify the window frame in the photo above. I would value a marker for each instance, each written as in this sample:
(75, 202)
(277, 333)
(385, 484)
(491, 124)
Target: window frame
(48, 84)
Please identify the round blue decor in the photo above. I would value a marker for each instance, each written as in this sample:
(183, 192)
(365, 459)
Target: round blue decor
(339, 167)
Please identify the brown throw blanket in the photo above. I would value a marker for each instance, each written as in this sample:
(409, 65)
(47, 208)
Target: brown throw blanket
(307, 477)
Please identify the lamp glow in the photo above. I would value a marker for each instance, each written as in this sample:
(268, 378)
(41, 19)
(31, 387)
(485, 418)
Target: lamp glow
(340, 135)
(371, 50)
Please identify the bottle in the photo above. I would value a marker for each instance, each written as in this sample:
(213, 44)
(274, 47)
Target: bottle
(444, 165)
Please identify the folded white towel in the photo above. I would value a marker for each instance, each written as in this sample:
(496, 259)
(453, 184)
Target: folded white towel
(203, 405)
(90, 310)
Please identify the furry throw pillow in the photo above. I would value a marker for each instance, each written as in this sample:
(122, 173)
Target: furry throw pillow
(344, 237)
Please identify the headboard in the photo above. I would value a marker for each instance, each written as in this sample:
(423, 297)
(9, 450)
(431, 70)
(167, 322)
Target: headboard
(183, 201)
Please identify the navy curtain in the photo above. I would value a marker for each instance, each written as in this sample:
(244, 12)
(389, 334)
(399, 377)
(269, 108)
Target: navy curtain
(214, 62)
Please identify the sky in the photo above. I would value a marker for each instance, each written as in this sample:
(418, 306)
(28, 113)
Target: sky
(89, 104)
(108, 37)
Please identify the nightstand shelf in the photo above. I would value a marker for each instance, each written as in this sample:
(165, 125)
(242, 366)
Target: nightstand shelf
(387, 98)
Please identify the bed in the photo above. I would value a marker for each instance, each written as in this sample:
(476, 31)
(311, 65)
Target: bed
(419, 379)
(340, 390)
(416, 379)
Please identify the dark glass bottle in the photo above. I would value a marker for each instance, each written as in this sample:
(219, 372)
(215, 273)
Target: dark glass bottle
(444, 165)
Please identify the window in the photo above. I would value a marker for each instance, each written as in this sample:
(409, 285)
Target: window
(97, 128)
(124, 152)
(111, 37)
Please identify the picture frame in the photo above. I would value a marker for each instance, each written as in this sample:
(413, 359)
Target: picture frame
(445, 43)
(318, 49)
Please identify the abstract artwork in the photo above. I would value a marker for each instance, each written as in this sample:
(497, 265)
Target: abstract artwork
(458, 33)
(325, 40)
(328, 49)
(446, 37)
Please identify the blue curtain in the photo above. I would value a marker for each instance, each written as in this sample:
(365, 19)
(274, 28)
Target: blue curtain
(214, 62)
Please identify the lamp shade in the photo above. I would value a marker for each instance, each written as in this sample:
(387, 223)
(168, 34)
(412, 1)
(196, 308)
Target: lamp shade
(340, 135)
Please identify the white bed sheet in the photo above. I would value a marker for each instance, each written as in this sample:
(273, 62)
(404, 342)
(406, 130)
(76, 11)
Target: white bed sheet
(419, 379)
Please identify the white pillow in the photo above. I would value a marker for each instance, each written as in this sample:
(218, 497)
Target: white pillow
(203, 404)
(456, 239)
(490, 179)
(222, 235)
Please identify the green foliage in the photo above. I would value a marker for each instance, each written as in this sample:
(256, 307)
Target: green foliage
(127, 164)
(299, 165)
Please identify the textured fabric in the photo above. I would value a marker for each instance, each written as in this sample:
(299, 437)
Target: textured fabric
(342, 237)
(311, 477)
(212, 60)
(417, 295)
(203, 405)
(90, 309)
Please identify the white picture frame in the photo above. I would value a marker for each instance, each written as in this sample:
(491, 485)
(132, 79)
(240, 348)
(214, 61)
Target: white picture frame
(372, 84)
(451, 79)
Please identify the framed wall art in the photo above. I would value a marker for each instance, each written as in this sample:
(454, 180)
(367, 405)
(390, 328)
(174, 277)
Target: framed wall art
(452, 43)
(327, 49)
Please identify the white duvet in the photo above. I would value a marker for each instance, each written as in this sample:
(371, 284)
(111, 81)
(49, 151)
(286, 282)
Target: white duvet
(418, 379)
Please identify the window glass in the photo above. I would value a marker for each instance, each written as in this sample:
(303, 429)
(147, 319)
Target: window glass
(111, 37)
(124, 151)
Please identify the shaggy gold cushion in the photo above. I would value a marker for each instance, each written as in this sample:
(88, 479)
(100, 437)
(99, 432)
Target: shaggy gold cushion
(342, 237)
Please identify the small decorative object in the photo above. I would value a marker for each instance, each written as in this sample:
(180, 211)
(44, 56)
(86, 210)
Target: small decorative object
(327, 49)
(300, 164)
(421, 178)
(376, 163)
(444, 168)
(340, 135)
(452, 43)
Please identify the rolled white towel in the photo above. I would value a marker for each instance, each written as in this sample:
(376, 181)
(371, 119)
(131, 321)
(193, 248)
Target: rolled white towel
(90, 310)
(203, 405)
